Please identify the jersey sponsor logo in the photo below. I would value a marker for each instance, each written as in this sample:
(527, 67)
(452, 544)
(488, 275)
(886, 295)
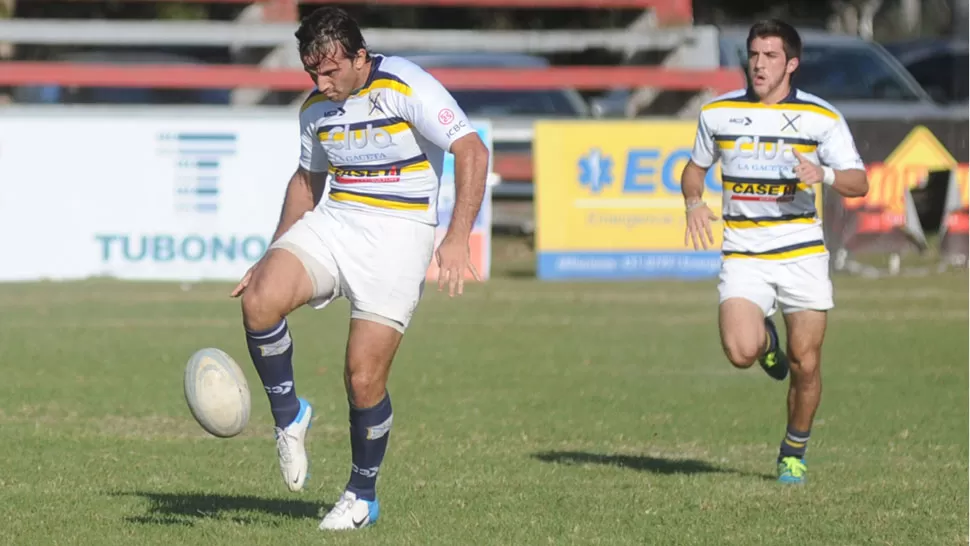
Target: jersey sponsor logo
(366, 472)
(746, 147)
(790, 122)
(380, 173)
(456, 128)
(342, 137)
(754, 191)
(358, 175)
(445, 116)
(375, 103)
(349, 159)
(284, 387)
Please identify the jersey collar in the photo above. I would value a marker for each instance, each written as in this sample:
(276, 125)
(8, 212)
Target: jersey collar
(375, 63)
(751, 96)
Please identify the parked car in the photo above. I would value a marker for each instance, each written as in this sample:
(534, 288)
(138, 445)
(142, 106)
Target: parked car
(940, 66)
(857, 76)
(860, 78)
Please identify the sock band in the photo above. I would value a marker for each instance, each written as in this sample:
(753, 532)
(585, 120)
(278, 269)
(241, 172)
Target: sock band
(794, 444)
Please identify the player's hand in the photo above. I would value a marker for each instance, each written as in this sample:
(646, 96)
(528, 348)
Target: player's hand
(454, 257)
(807, 171)
(699, 227)
(241, 287)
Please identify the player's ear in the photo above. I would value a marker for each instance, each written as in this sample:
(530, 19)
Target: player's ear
(360, 58)
(792, 65)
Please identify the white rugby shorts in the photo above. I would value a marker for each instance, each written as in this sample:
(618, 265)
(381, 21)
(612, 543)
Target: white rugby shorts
(377, 262)
(802, 284)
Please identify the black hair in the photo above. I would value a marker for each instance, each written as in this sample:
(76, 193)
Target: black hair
(775, 28)
(325, 28)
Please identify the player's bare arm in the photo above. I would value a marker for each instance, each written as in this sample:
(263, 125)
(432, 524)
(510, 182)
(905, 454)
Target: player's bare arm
(471, 171)
(303, 192)
(699, 215)
(851, 182)
(848, 182)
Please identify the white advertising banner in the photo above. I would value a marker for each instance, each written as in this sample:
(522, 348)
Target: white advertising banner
(160, 194)
(140, 197)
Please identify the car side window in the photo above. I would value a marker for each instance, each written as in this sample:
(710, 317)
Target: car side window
(944, 76)
(850, 74)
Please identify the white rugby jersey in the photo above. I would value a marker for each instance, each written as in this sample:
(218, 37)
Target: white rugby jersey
(767, 212)
(384, 146)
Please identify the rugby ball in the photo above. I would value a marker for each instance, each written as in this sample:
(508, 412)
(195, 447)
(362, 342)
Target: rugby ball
(217, 392)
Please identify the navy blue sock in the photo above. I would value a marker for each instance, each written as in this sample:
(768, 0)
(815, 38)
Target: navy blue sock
(272, 354)
(370, 429)
(794, 444)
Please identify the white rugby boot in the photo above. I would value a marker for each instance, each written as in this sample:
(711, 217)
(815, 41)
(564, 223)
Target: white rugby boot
(351, 513)
(291, 448)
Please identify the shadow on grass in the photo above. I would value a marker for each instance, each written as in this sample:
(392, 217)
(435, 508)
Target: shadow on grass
(187, 508)
(642, 463)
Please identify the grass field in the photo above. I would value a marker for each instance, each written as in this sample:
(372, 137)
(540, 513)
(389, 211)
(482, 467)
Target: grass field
(525, 413)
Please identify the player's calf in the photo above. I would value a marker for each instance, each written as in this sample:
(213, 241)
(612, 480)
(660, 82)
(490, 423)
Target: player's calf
(805, 359)
(370, 350)
(278, 285)
(804, 395)
(806, 332)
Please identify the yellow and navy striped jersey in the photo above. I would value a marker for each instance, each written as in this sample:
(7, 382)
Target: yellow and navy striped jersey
(768, 213)
(383, 148)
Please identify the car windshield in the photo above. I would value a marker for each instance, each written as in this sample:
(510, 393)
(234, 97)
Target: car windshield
(850, 73)
(514, 103)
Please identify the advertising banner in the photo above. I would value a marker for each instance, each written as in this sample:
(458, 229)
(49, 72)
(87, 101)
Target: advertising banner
(885, 220)
(609, 204)
(904, 162)
(140, 197)
(481, 237)
(184, 195)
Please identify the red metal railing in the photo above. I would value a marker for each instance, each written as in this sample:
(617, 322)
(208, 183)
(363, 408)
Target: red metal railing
(17, 73)
(667, 11)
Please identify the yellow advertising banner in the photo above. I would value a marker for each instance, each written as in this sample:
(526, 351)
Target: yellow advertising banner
(609, 204)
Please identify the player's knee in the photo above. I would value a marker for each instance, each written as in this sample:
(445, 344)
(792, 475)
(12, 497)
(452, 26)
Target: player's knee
(278, 286)
(366, 388)
(742, 331)
(259, 308)
(742, 353)
(804, 358)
